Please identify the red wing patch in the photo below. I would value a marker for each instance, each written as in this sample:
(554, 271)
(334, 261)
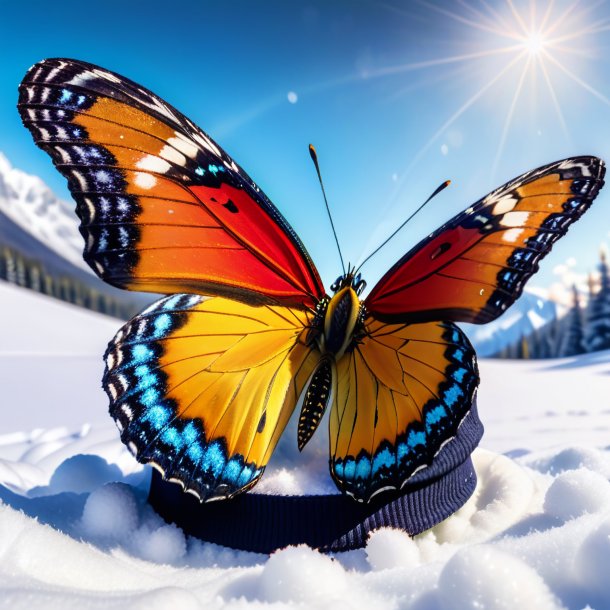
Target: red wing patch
(475, 266)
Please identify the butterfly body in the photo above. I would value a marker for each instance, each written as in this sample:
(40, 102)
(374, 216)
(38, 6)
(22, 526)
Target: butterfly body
(203, 383)
(337, 327)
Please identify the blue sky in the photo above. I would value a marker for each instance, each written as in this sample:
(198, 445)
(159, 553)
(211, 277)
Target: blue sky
(396, 96)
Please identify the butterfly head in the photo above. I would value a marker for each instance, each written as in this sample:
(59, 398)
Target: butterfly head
(355, 282)
(339, 320)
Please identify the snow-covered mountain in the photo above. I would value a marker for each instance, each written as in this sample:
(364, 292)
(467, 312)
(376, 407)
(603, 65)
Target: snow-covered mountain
(39, 226)
(30, 204)
(530, 312)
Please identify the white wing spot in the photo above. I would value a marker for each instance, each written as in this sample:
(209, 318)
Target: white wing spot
(207, 143)
(153, 164)
(81, 179)
(183, 145)
(65, 157)
(172, 155)
(514, 219)
(145, 181)
(112, 390)
(504, 204)
(79, 79)
(512, 235)
(106, 76)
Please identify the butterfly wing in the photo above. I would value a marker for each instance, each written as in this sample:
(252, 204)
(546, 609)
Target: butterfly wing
(203, 388)
(475, 266)
(163, 208)
(401, 394)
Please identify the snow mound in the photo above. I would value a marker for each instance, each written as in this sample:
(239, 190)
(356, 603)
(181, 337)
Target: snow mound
(110, 512)
(485, 577)
(526, 539)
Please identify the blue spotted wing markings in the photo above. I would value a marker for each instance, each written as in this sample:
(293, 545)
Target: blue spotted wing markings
(392, 463)
(188, 155)
(150, 424)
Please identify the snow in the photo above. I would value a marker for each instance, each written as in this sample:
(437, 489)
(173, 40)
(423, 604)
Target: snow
(76, 531)
(51, 355)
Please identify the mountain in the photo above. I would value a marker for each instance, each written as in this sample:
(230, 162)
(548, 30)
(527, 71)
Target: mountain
(530, 312)
(39, 230)
(31, 205)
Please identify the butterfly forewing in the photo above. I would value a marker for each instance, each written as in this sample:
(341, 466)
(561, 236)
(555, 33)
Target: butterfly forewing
(163, 208)
(203, 388)
(475, 266)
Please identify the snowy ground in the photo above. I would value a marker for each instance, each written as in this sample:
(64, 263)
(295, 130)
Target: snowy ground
(75, 531)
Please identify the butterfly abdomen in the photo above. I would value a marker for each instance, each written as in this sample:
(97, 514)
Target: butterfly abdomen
(315, 402)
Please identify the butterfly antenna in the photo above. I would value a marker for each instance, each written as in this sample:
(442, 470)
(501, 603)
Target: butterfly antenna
(314, 158)
(440, 188)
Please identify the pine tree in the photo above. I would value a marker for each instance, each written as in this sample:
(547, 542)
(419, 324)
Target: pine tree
(3, 262)
(546, 348)
(573, 340)
(533, 341)
(523, 348)
(598, 316)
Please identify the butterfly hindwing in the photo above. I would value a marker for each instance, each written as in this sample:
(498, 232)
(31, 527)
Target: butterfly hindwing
(401, 394)
(163, 208)
(203, 388)
(476, 265)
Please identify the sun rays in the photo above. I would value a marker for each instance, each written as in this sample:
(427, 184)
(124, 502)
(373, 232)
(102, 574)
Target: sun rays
(525, 49)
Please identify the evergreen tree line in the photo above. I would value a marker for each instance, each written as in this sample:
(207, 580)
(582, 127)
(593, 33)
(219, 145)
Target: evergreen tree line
(581, 330)
(31, 273)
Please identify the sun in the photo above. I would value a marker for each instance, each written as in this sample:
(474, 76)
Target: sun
(534, 43)
(518, 47)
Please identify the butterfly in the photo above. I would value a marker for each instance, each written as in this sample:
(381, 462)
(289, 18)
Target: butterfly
(203, 382)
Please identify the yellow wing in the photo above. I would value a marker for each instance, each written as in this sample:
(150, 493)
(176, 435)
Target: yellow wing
(203, 388)
(401, 394)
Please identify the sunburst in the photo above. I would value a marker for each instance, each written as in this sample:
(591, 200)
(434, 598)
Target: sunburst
(541, 46)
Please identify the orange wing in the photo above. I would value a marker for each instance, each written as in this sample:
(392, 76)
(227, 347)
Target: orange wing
(203, 388)
(163, 208)
(401, 395)
(475, 266)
